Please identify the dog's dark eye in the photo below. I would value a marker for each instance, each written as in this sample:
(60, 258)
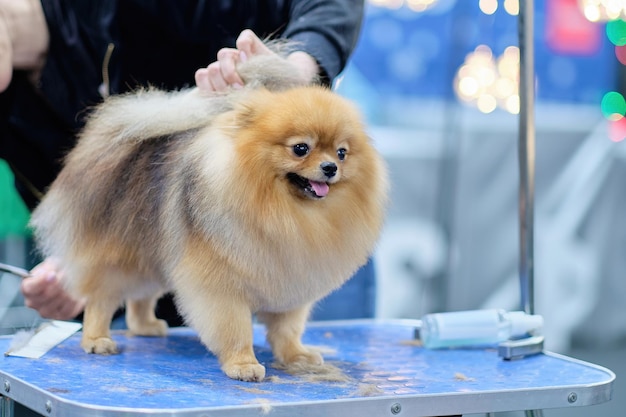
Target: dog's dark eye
(301, 149)
(341, 153)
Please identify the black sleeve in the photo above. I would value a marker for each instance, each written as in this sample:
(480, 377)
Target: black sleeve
(79, 35)
(327, 30)
(38, 123)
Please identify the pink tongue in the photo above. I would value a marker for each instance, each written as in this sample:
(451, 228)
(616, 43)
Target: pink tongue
(320, 188)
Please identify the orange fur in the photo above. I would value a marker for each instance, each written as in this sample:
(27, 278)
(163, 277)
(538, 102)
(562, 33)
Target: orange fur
(209, 213)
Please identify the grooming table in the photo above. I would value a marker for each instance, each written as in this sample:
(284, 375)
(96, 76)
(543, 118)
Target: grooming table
(387, 375)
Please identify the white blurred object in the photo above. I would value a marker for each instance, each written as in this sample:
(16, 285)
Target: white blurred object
(410, 252)
(603, 10)
(477, 328)
(566, 281)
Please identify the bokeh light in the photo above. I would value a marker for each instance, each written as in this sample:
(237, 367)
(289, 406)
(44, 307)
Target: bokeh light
(613, 106)
(415, 5)
(420, 5)
(592, 13)
(488, 83)
(620, 54)
(617, 130)
(603, 10)
(508, 63)
(511, 7)
(616, 32)
(488, 6)
(389, 4)
(512, 104)
(486, 103)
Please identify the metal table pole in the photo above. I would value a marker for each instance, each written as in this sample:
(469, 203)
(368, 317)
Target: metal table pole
(527, 160)
(526, 154)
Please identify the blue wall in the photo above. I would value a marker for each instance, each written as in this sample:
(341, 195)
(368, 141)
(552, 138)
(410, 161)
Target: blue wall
(404, 53)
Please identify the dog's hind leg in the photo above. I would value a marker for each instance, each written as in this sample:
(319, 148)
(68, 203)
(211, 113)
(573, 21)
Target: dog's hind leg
(104, 289)
(141, 319)
(284, 333)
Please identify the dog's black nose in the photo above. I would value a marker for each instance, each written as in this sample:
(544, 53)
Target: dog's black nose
(329, 168)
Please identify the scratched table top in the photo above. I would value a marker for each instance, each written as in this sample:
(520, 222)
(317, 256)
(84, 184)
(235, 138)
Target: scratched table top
(377, 370)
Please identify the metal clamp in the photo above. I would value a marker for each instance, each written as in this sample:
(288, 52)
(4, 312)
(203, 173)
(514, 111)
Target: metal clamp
(520, 348)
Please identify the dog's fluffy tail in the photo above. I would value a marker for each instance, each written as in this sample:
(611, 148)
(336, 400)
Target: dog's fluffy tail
(150, 112)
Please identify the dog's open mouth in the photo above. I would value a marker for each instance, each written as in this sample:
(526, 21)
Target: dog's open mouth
(314, 189)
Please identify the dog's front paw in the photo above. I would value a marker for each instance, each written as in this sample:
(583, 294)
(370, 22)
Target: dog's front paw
(249, 372)
(304, 357)
(99, 345)
(152, 328)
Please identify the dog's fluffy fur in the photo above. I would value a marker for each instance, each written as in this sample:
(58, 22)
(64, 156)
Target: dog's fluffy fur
(259, 201)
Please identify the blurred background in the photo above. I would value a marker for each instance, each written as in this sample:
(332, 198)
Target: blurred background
(437, 82)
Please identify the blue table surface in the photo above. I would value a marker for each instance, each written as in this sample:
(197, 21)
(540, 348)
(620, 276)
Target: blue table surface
(176, 372)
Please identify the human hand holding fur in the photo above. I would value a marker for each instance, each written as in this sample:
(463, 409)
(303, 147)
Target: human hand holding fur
(23, 38)
(222, 74)
(44, 292)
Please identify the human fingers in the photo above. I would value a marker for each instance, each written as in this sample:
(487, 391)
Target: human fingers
(35, 285)
(250, 44)
(202, 80)
(6, 55)
(61, 307)
(44, 292)
(214, 77)
(37, 292)
(223, 72)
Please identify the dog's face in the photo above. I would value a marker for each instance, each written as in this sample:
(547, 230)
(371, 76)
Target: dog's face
(310, 138)
(314, 164)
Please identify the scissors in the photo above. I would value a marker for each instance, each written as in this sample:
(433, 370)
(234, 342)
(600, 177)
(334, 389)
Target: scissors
(20, 272)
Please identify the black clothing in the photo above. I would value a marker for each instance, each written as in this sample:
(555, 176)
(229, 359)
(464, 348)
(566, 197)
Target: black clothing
(156, 42)
(123, 44)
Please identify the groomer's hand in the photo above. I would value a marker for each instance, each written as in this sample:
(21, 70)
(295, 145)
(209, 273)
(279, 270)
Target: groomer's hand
(222, 74)
(44, 292)
(23, 38)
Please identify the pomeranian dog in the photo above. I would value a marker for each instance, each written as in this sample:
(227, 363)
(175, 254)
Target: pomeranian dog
(259, 201)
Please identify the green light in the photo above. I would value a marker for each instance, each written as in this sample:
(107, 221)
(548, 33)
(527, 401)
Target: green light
(616, 32)
(613, 105)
